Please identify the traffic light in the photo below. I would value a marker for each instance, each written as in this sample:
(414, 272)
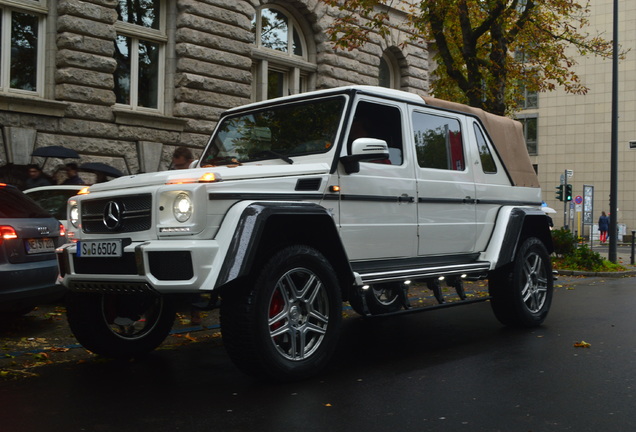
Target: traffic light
(559, 192)
(568, 192)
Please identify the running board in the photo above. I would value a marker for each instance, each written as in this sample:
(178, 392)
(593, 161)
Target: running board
(423, 273)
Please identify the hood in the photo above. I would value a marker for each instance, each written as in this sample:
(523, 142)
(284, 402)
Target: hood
(226, 173)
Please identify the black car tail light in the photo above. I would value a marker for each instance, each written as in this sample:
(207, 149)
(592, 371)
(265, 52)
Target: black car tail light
(7, 233)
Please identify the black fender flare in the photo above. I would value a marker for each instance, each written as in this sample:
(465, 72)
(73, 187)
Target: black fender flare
(524, 222)
(263, 227)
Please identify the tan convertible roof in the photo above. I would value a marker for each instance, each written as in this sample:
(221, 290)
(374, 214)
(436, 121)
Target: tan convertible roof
(507, 137)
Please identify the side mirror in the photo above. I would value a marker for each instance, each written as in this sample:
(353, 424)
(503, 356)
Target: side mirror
(364, 149)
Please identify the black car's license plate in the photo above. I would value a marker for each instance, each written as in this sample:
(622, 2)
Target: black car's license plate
(40, 245)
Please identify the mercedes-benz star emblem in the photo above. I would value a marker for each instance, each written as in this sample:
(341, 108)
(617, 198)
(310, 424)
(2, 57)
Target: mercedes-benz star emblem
(112, 215)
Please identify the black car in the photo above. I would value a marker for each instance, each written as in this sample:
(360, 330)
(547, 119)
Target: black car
(28, 266)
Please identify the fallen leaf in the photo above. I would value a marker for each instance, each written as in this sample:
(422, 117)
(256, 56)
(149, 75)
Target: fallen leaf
(582, 344)
(41, 356)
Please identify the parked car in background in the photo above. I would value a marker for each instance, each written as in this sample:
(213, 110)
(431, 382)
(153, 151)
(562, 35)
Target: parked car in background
(28, 266)
(53, 198)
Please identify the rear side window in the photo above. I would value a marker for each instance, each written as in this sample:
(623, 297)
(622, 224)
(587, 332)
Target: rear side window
(13, 204)
(438, 142)
(487, 162)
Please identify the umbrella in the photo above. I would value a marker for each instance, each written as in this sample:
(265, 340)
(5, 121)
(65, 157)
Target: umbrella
(99, 167)
(56, 152)
(548, 210)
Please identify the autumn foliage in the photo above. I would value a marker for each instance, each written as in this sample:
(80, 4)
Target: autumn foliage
(488, 52)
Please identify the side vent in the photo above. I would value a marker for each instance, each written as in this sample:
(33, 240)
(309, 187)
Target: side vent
(311, 184)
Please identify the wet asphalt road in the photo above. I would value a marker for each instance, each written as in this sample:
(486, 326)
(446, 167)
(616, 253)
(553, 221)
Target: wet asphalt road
(448, 370)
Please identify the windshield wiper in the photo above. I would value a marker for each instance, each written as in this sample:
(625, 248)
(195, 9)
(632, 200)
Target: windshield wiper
(278, 155)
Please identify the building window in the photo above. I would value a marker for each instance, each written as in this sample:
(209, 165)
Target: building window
(140, 54)
(281, 65)
(529, 98)
(389, 72)
(22, 34)
(530, 133)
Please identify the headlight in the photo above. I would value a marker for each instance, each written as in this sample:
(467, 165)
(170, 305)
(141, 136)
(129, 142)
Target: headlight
(73, 213)
(182, 207)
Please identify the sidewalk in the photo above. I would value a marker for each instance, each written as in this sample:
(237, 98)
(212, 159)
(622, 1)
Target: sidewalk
(622, 259)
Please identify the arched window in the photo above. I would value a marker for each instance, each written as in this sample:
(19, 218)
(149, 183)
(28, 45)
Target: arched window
(281, 60)
(389, 72)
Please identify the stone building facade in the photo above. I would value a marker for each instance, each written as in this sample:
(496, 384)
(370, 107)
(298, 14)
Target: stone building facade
(127, 81)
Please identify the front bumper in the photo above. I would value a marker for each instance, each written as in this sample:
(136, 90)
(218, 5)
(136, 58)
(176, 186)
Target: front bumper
(161, 266)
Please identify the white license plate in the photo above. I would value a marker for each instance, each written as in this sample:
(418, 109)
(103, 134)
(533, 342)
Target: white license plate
(102, 248)
(40, 245)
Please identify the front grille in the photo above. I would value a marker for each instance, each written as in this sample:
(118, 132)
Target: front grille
(134, 213)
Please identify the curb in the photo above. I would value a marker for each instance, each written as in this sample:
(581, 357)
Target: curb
(621, 274)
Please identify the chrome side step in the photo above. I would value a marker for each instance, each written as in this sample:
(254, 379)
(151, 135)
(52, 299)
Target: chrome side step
(424, 273)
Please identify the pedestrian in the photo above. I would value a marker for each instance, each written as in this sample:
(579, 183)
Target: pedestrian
(181, 158)
(36, 177)
(73, 177)
(603, 227)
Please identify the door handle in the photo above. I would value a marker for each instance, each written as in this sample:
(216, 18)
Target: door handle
(406, 198)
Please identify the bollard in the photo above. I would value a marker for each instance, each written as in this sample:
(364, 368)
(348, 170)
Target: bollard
(631, 259)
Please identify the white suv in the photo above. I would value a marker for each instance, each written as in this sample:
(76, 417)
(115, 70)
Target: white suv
(301, 203)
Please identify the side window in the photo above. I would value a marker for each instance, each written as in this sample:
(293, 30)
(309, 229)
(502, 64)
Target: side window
(438, 142)
(22, 47)
(372, 120)
(487, 162)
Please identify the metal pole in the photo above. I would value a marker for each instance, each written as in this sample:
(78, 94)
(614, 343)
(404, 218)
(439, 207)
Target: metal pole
(631, 259)
(613, 231)
(565, 202)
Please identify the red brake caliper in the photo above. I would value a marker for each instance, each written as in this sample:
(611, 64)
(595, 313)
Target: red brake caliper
(275, 307)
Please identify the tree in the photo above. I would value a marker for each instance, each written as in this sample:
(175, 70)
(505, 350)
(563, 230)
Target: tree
(488, 52)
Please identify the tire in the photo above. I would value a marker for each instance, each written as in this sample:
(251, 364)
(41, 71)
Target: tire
(521, 293)
(285, 326)
(381, 298)
(120, 325)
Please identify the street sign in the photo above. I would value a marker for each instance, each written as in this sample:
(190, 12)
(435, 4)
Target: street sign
(578, 199)
(570, 173)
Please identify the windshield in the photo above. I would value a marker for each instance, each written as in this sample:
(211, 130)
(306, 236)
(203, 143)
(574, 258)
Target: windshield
(279, 132)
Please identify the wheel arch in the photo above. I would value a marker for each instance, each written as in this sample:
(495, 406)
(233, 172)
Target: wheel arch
(523, 222)
(264, 228)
